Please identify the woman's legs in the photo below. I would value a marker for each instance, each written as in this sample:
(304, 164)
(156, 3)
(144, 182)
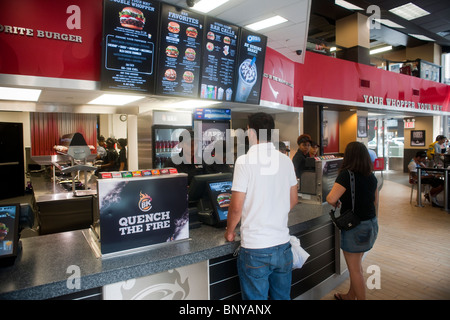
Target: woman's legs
(357, 290)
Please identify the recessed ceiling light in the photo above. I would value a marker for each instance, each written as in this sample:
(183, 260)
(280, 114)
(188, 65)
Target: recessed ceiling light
(115, 99)
(409, 11)
(270, 22)
(206, 6)
(347, 5)
(191, 104)
(382, 49)
(421, 37)
(19, 94)
(389, 23)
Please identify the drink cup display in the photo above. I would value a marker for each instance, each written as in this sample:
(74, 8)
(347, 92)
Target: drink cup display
(228, 94)
(247, 79)
(220, 94)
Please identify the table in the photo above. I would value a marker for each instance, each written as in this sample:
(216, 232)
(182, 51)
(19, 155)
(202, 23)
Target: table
(446, 188)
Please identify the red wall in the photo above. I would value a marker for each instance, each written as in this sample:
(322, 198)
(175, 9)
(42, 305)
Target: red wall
(25, 50)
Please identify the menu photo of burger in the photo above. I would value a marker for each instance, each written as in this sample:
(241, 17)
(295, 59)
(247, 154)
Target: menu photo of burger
(172, 51)
(132, 18)
(3, 231)
(190, 54)
(188, 77)
(210, 35)
(170, 75)
(191, 32)
(224, 200)
(173, 27)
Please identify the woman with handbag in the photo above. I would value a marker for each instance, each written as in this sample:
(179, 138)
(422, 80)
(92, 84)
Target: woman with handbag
(358, 237)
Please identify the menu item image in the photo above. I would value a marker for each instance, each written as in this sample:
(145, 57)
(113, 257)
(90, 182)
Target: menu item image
(190, 54)
(188, 77)
(132, 18)
(247, 79)
(172, 51)
(170, 75)
(174, 27)
(130, 32)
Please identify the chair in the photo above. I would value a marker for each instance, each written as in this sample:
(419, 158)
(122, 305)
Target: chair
(413, 183)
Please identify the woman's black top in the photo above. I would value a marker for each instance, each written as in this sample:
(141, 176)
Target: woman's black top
(365, 187)
(299, 161)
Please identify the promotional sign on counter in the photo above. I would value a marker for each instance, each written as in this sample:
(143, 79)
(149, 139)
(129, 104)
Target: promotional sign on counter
(180, 52)
(138, 212)
(130, 35)
(250, 67)
(219, 60)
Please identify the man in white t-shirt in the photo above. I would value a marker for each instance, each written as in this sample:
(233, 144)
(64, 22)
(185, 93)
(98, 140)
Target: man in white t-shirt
(264, 190)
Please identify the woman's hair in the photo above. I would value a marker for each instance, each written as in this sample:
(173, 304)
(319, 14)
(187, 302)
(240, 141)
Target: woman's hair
(357, 159)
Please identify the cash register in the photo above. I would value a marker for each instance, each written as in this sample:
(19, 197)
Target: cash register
(210, 194)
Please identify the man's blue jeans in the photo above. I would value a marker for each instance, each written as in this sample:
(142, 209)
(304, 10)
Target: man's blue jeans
(265, 273)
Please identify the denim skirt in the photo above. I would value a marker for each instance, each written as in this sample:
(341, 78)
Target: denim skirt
(361, 238)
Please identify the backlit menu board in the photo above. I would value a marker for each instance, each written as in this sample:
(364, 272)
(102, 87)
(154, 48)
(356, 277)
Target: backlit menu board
(250, 67)
(130, 32)
(180, 52)
(219, 60)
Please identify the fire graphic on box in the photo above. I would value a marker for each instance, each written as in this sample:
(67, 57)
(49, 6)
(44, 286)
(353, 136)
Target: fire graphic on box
(145, 202)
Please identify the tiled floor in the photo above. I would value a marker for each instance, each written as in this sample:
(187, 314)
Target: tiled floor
(412, 249)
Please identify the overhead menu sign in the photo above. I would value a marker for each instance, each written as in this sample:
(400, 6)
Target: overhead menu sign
(180, 52)
(219, 58)
(130, 34)
(250, 67)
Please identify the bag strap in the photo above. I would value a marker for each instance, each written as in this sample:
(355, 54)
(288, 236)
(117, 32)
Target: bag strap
(352, 187)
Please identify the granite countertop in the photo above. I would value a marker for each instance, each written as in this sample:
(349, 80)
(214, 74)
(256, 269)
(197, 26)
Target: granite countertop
(41, 269)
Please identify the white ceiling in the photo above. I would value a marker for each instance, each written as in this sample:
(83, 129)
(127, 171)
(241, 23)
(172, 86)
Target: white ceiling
(286, 38)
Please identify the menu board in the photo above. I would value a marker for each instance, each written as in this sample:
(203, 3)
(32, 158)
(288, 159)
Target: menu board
(250, 67)
(180, 52)
(219, 60)
(130, 32)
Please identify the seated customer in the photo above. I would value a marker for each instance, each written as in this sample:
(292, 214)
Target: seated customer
(437, 185)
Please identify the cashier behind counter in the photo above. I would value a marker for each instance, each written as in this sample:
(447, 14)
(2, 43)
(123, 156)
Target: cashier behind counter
(192, 169)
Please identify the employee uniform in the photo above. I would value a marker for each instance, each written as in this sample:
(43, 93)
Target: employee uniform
(266, 176)
(299, 161)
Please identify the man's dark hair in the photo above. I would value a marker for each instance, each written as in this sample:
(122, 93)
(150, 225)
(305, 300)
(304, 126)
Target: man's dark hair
(261, 121)
(421, 154)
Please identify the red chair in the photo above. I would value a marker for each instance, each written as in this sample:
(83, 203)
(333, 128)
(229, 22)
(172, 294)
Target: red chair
(378, 164)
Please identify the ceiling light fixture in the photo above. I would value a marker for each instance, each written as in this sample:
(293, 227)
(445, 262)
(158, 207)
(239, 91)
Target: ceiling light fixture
(191, 104)
(347, 5)
(115, 99)
(421, 37)
(389, 23)
(19, 94)
(409, 11)
(382, 49)
(266, 23)
(206, 6)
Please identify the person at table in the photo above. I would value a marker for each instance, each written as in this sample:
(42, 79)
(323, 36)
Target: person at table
(434, 152)
(437, 185)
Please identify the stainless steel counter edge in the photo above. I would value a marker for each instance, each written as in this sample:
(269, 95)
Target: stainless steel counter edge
(41, 270)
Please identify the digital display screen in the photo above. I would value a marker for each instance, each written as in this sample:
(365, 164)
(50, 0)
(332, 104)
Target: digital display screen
(130, 34)
(220, 193)
(180, 52)
(250, 67)
(9, 222)
(219, 60)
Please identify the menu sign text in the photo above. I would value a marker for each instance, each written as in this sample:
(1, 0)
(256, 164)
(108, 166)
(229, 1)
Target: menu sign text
(219, 59)
(129, 45)
(250, 67)
(180, 52)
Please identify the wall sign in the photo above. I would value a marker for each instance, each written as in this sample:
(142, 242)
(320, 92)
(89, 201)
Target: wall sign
(180, 52)
(250, 67)
(219, 59)
(130, 33)
(417, 138)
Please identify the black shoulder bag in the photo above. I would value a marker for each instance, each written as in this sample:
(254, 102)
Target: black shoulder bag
(349, 219)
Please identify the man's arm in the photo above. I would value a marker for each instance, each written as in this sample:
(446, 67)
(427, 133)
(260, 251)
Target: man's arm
(234, 214)
(294, 196)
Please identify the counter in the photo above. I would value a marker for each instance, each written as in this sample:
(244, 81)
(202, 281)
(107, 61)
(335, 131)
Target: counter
(43, 268)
